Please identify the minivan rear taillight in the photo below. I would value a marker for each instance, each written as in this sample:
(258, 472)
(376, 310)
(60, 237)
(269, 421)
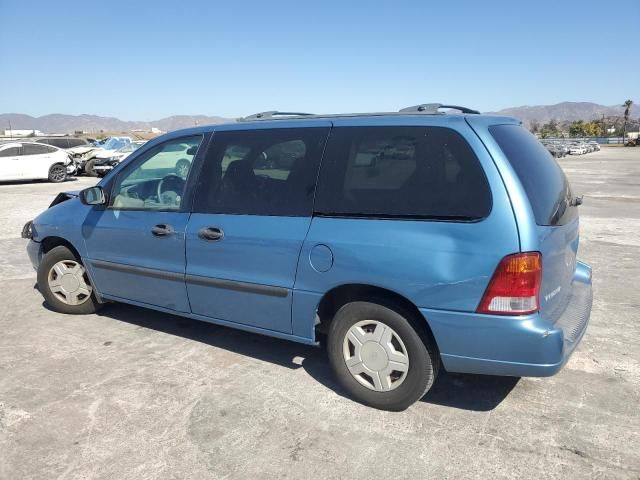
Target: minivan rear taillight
(515, 285)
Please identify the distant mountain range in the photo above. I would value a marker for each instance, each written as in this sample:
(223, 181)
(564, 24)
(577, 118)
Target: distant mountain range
(566, 112)
(59, 123)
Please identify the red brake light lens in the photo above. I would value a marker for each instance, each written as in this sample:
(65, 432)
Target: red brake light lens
(515, 285)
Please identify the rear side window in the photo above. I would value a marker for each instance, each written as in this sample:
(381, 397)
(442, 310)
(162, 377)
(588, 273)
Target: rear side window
(74, 142)
(419, 172)
(543, 180)
(36, 149)
(11, 152)
(261, 172)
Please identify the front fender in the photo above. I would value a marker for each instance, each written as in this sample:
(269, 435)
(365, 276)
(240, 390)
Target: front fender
(63, 220)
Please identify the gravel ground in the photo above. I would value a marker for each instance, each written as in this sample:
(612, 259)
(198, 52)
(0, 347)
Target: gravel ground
(133, 394)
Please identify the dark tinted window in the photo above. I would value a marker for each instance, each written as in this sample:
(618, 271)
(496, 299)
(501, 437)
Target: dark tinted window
(542, 178)
(56, 142)
(261, 172)
(424, 172)
(75, 142)
(10, 152)
(35, 149)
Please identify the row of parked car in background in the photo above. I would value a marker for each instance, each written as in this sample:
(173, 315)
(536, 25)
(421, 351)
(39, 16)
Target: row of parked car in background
(57, 158)
(560, 149)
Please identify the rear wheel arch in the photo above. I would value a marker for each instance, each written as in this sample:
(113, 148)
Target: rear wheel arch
(341, 295)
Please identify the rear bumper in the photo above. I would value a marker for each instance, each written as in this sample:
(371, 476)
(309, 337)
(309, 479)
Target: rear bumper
(519, 346)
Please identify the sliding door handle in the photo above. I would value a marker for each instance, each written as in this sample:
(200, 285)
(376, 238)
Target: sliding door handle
(211, 234)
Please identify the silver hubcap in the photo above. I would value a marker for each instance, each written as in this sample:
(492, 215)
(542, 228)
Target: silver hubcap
(68, 282)
(58, 172)
(375, 355)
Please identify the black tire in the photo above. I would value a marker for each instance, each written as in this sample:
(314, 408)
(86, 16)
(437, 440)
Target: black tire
(423, 357)
(88, 168)
(57, 173)
(53, 256)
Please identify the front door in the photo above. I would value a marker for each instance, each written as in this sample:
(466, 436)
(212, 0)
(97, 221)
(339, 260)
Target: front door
(36, 160)
(136, 245)
(251, 215)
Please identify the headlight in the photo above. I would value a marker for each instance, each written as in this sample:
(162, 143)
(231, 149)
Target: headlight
(27, 230)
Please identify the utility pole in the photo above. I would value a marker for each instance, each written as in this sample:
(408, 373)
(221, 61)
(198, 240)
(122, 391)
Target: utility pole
(10, 130)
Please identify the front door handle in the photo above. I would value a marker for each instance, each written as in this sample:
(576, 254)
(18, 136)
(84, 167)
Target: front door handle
(162, 230)
(211, 234)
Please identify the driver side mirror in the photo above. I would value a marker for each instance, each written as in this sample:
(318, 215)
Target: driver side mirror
(93, 196)
(192, 150)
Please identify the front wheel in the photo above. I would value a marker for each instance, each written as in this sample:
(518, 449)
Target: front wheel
(379, 358)
(57, 173)
(64, 284)
(88, 168)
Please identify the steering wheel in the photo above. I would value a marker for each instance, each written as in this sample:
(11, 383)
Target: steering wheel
(174, 184)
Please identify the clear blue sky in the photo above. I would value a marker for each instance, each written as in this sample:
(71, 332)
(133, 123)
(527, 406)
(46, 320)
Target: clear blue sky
(144, 60)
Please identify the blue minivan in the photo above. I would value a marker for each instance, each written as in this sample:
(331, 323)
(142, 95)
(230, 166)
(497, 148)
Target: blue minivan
(405, 242)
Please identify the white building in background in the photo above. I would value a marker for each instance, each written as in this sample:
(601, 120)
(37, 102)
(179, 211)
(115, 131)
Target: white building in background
(155, 130)
(21, 133)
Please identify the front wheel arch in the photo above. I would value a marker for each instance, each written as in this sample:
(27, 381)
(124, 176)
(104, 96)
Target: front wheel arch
(49, 243)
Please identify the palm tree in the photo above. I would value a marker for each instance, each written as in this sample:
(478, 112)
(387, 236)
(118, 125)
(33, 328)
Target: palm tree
(627, 109)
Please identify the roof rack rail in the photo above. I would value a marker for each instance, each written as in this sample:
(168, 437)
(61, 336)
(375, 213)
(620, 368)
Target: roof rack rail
(432, 108)
(274, 114)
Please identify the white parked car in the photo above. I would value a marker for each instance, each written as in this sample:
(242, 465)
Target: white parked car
(34, 161)
(84, 154)
(577, 150)
(105, 161)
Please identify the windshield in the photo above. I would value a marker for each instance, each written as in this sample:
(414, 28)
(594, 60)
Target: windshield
(130, 147)
(114, 144)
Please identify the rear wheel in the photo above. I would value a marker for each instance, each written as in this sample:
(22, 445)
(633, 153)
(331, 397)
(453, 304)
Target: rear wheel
(64, 284)
(88, 168)
(57, 173)
(379, 357)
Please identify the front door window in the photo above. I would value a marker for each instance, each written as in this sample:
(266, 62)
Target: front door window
(157, 179)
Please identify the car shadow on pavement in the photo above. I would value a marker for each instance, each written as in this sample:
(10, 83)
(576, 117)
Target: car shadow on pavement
(466, 392)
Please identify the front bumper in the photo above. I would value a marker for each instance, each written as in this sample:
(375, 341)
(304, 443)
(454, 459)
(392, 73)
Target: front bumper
(519, 346)
(34, 251)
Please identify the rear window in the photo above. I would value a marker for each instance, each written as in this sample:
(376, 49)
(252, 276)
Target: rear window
(543, 180)
(415, 172)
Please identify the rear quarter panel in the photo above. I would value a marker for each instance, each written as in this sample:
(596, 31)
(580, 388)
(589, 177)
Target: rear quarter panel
(436, 265)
